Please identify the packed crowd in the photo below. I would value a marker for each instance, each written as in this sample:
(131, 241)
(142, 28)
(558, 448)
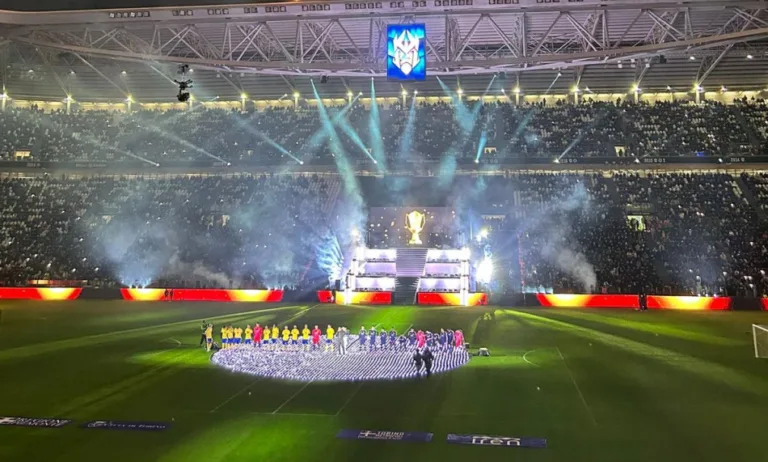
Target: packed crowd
(424, 132)
(659, 233)
(188, 231)
(677, 233)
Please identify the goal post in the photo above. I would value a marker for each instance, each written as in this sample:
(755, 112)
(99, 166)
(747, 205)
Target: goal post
(760, 339)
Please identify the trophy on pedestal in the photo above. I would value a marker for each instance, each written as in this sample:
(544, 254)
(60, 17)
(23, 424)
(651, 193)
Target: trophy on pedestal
(414, 222)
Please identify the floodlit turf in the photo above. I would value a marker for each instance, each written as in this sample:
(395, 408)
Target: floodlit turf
(600, 385)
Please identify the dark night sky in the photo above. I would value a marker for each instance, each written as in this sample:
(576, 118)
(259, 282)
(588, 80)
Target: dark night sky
(53, 5)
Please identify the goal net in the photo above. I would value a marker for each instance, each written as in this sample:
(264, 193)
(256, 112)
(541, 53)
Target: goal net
(760, 338)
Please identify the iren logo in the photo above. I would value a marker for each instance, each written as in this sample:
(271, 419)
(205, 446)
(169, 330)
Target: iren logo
(495, 441)
(508, 441)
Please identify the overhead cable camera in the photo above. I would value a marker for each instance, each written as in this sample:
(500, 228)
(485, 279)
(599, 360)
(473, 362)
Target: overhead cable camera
(184, 83)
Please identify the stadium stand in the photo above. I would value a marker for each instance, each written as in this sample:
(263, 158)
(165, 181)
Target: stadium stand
(509, 132)
(677, 233)
(664, 233)
(212, 230)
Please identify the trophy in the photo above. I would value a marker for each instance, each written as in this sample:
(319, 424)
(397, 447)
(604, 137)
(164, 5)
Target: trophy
(414, 222)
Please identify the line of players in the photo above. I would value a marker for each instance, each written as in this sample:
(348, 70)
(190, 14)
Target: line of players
(445, 340)
(272, 337)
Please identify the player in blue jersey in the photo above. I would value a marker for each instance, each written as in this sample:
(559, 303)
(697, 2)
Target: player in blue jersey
(442, 339)
(401, 342)
(372, 337)
(449, 332)
(430, 339)
(361, 338)
(412, 339)
(392, 338)
(383, 339)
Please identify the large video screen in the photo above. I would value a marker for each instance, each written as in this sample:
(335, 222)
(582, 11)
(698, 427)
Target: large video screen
(406, 55)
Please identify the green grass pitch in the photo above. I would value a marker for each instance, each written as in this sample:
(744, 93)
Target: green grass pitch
(600, 385)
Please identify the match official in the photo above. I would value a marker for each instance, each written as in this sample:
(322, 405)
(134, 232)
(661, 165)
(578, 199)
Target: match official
(203, 328)
(427, 356)
(417, 359)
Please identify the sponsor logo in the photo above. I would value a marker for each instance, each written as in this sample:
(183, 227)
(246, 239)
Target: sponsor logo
(33, 422)
(384, 435)
(117, 425)
(481, 440)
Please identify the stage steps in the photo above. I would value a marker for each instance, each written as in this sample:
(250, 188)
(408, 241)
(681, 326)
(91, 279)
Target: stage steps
(405, 290)
(409, 265)
(411, 262)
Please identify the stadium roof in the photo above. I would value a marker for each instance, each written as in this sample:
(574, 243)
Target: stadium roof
(267, 50)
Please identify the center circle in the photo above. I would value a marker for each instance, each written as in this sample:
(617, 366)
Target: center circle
(330, 366)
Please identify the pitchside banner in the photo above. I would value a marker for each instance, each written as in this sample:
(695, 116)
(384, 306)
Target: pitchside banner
(384, 436)
(118, 425)
(480, 440)
(33, 422)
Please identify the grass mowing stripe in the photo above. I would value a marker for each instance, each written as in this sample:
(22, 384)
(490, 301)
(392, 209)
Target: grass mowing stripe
(576, 385)
(41, 348)
(134, 382)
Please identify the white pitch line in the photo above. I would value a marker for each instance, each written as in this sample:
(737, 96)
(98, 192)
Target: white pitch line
(291, 398)
(525, 357)
(349, 400)
(236, 395)
(576, 385)
(177, 342)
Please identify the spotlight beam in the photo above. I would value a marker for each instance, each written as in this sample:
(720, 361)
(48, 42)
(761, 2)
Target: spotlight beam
(186, 143)
(580, 136)
(340, 158)
(481, 146)
(316, 140)
(410, 127)
(104, 146)
(344, 125)
(268, 140)
(374, 131)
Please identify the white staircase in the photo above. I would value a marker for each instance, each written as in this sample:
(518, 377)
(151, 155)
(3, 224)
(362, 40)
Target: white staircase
(411, 262)
(409, 265)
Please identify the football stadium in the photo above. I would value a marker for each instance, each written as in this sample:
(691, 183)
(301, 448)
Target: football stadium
(441, 230)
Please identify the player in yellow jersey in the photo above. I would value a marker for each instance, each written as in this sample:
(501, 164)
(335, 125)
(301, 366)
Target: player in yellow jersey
(305, 337)
(238, 335)
(265, 336)
(329, 333)
(295, 337)
(248, 335)
(275, 334)
(208, 337)
(224, 336)
(231, 336)
(286, 334)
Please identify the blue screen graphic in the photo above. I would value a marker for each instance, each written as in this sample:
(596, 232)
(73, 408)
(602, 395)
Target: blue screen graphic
(406, 55)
